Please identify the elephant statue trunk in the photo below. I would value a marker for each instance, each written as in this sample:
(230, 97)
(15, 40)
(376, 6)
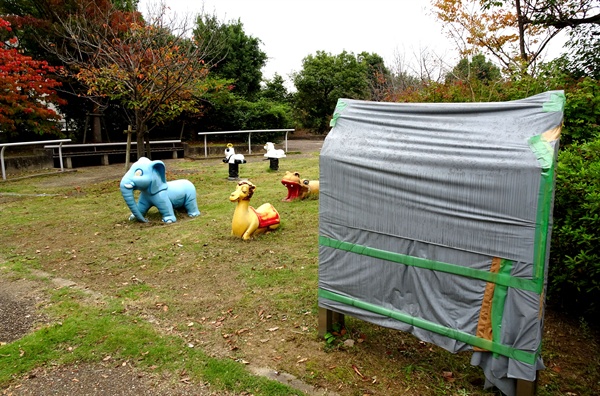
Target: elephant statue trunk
(127, 193)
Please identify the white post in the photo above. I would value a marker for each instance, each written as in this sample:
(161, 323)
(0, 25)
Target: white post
(2, 161)
(60, 157)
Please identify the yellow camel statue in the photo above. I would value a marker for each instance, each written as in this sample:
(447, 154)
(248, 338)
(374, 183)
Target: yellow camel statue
(248, 221)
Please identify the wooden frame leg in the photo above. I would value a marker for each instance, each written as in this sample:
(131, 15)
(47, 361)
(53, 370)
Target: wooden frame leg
(326, 320)
(526, 388)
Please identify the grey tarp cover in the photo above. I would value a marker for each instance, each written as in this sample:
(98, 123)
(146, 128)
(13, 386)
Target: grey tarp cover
(435, 219)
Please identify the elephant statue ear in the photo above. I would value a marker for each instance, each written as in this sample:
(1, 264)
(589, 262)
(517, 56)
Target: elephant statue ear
(159, 179)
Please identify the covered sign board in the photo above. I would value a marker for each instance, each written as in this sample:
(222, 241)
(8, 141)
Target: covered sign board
(435, 219)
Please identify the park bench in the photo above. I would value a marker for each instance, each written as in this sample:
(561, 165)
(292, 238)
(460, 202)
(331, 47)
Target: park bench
(106, 151)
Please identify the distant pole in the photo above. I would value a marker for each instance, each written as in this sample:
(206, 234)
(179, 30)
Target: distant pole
(128, 131)
(147, 139)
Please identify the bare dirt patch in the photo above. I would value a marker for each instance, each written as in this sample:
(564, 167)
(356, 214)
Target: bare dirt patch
(18, 314)
(102, 379)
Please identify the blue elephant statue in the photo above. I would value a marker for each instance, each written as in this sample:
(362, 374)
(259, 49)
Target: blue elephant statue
(149, 178)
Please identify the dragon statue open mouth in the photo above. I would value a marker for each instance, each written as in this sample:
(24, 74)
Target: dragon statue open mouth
(299, 188)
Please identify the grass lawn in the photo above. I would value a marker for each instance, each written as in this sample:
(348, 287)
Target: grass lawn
(188, 297)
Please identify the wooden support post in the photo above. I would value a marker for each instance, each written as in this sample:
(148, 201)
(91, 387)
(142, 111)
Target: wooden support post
(526, 388)
(326, 320)
(128, 131)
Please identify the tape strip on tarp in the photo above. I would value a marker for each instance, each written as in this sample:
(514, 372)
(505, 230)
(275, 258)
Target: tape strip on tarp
(492, 346)
(545, 156)
(339, 108)
(497, 278)
(556, 103)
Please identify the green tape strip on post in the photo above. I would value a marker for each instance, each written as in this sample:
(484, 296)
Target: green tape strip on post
(492, 346)
(545, 156)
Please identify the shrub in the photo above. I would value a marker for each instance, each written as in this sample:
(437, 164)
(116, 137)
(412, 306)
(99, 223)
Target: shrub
(574, 277)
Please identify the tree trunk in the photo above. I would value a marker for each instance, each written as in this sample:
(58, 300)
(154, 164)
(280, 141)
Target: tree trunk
(140, 143)
(96, 125)
(140, 129)
(521, 23)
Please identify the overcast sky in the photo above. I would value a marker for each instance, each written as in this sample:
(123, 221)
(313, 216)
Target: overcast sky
(292, 29)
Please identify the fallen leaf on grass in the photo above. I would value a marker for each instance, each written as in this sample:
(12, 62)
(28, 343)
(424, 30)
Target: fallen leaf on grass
(302, 360)
(357, 372)
(448, 376)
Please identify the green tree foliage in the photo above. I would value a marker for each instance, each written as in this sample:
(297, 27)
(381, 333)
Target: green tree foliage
(247, 104)
(275, 90)
(241, 58)
(477, 68)
(377, 74)
(574, 280)
(582, 112)
(324, 79)
(584, 51)
(228, 112)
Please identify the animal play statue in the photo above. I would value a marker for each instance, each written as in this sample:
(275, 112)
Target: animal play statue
(299, 188)
(234, 160)
(231, 157)
(149, 178)
(248, 221)
(273, 155)
(272, 152)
